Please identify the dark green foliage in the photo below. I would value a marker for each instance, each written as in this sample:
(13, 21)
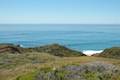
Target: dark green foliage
(58, 50)
(29, 76)
(54, 49)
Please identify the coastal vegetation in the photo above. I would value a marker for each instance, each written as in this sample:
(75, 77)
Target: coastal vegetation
(53, 49)
(43, 63)
(113, 52)
(88, 71)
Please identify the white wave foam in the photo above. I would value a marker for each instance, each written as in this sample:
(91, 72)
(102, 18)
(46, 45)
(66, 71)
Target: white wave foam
(91, 52)
(21, 45)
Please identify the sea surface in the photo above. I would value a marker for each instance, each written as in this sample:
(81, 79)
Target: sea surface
(75, 36)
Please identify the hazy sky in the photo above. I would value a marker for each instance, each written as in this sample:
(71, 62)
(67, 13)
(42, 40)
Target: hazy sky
(60, 11)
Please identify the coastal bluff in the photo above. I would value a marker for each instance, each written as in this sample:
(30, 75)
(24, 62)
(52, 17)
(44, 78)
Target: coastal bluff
(113, 52)
(53, 49)
(10, 48)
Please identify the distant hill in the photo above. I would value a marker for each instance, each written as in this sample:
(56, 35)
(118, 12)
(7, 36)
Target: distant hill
(53, 49)
(10, 48)
(58, 50)
(113, 52)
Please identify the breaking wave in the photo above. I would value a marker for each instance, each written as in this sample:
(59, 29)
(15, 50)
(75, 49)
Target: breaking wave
(91, 52)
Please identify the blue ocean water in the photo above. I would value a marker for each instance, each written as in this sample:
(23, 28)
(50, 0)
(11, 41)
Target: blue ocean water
(79, 37)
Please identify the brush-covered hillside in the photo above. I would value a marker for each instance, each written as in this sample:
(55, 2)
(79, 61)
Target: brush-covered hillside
(53, 49)
(110, 53)
(54, 62)
(58, 50)
(10, 48)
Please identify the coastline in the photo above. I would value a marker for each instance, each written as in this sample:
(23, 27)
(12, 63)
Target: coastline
(86, 52)
(92, 52)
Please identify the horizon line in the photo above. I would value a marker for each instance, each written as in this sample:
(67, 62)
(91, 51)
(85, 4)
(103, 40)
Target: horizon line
(56, 24)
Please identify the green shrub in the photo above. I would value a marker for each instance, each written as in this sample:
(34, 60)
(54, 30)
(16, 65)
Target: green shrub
(91, 76)
(29, 76)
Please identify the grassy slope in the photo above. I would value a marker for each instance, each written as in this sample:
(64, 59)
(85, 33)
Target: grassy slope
(25, 66)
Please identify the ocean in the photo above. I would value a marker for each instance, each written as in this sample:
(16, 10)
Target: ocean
(75, 36)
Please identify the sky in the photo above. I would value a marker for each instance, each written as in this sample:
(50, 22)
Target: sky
(59, 11)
